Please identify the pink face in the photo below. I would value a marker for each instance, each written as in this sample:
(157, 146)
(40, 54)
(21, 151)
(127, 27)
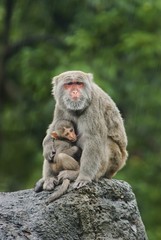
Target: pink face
(74, 88)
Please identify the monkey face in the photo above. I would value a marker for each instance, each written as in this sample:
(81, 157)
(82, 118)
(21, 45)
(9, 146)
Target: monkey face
(73, 90)
(69, 134)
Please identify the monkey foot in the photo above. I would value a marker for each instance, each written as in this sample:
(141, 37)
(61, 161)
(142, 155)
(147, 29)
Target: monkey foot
(49, 183)
(39, 185)
(81, 183)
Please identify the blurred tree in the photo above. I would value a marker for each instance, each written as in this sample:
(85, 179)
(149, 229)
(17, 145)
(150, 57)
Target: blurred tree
(120, 42)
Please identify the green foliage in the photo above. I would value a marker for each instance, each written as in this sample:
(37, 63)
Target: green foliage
(120, 42)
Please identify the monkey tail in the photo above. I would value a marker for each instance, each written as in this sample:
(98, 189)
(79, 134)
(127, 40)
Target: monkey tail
(60, 191)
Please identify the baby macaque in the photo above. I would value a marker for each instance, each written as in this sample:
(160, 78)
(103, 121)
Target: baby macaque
(67, 152)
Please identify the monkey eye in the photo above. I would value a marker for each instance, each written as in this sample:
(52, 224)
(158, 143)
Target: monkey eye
(69, 84)
(79, 83)
(73, 83)
(71, 130)
(66, 134)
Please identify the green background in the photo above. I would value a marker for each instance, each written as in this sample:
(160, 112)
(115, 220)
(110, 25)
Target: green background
(120, 43)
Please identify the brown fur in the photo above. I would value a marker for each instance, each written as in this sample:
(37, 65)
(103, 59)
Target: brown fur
(63, 135)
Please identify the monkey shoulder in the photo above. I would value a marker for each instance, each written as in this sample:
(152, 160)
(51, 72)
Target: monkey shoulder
(103, 96)
(106, 104)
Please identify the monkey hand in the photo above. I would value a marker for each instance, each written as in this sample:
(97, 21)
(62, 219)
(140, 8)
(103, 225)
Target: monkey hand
(49, 152)
(81, 182)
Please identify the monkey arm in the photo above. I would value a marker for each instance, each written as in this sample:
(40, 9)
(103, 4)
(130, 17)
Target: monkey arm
(90, 161)
(48, 149)
(116, 130)
(48, 145)
(112, 117)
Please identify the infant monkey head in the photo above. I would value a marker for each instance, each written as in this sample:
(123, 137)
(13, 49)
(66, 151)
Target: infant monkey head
(64, 130)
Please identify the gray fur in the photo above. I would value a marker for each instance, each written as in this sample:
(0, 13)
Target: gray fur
(102, 136)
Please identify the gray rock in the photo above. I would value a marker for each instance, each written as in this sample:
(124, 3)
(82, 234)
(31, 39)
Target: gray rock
(99, 211)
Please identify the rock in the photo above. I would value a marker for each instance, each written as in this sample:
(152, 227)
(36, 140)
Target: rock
(106, 210)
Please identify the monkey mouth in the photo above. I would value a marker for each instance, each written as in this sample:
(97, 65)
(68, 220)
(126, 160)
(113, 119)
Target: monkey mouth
(75, 98)
(73, 139)
(75, 105)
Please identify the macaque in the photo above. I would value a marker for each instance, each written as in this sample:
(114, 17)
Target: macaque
(100, 126)
(64, 142)
(64, 137)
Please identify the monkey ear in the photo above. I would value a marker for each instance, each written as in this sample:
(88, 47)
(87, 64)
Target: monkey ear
(90, 76)
(54, 135)
(54, 80)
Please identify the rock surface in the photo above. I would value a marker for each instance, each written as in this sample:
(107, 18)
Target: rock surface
(100, 211)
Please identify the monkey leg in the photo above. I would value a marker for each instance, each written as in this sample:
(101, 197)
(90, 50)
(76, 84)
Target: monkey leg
(49, 176)
(63, 188)
(66, 162)
(116, 161)
(102, 170)
(104, 162)
(48, 180)
(68, 174)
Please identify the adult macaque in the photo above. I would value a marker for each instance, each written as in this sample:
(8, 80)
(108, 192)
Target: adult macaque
(64, 137)
(102, 136)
